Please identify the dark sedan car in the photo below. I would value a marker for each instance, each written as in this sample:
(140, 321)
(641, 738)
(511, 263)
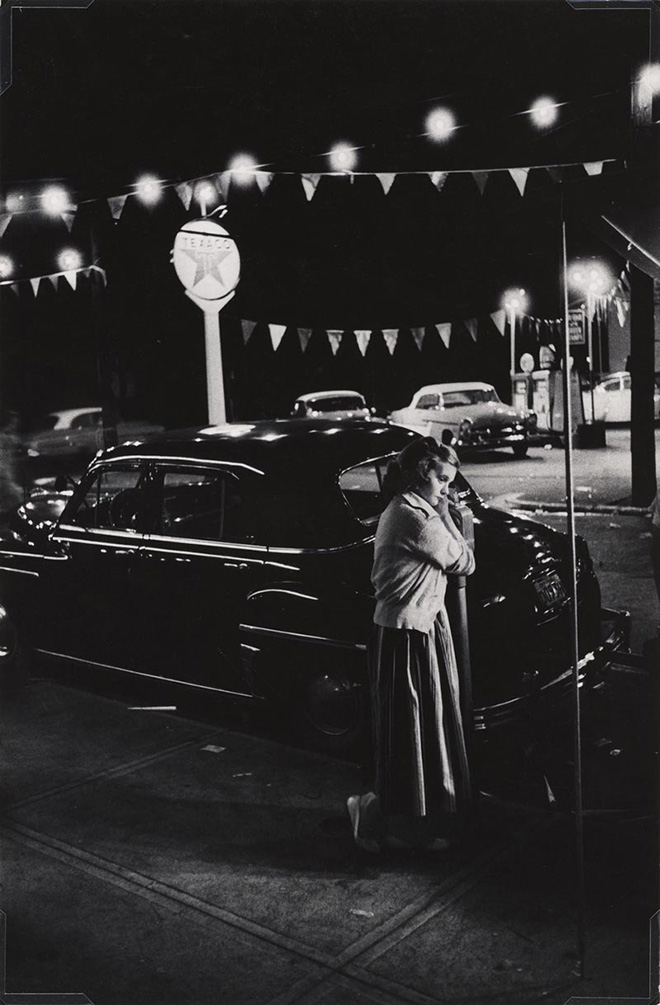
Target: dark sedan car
(236, 559)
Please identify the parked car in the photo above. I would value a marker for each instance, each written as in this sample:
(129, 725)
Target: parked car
(77, 433)
(611, 398)
(236, 559)
(331, 405)
(473, 413)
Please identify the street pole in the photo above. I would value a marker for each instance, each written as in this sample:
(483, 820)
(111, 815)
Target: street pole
(575, 646)
(512, 348)
(590, 349)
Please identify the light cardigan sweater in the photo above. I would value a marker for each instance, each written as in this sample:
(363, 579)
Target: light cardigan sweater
(415, 549)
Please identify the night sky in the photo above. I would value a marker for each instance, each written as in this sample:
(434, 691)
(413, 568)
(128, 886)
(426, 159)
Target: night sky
(178, 87)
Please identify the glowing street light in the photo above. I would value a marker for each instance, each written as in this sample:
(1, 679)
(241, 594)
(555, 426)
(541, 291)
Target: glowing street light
(69, 260)
(242, 168)
(342, 157)
(55, 200)
(649, 78)
(149, 189)
(543, 112)
(514, 302)
(440, 124)
(6, 267)
(593, 279)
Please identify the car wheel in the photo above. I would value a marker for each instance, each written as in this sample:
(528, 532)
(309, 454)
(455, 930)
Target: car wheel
(13, 655)
(520, 449)
(333, 711)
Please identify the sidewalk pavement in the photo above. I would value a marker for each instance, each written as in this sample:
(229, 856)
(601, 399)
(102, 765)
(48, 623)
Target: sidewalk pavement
(151, 858)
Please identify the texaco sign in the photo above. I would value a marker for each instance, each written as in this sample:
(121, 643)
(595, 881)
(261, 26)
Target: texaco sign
(206, 260)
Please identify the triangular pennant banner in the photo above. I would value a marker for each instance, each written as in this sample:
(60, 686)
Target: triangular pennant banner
(444, 331)
(594, 167)
(116, 204)
(471, 325)
(334, 338)
(499, 320)
(102, 275)
(439, 178)
(222, 181)
(418, 335)
(309, 183)
(34, 283)
(620, 311)
(185, 193)
(68, 219)
(304, 335)
(14, 288)
(387, 180)
(53, 281)
(71, 278)
(391, 336)
(5, 220)
(363, 338)
(247, 328)
(555, 173)
(276, 335)
(520, 176)
(481, 177)
(264, 178)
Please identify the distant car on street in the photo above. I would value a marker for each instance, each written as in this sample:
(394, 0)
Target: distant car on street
(77, 433)
(331, 405)
(472, 412)
(612, 398)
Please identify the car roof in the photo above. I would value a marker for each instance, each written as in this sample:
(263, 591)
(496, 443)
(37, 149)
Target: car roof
(318, 446)
(72, 413)
(314, 395)
(464, 385)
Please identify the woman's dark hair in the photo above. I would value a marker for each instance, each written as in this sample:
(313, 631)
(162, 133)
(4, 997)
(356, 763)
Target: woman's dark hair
(411, 465)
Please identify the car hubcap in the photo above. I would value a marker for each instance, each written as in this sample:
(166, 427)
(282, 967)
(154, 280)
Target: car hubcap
(332, 704)
(7, 637)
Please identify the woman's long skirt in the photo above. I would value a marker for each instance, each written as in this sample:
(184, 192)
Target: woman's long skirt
(421, 765)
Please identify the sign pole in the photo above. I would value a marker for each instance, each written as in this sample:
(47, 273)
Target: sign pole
(215, 384)
(208, 264)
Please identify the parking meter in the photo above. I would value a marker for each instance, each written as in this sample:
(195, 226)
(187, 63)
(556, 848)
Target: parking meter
(457, 612)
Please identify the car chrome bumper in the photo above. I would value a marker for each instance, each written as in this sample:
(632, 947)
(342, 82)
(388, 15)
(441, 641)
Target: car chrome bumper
(546, 698)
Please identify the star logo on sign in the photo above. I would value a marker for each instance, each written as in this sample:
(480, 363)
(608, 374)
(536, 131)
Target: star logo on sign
(208, 262)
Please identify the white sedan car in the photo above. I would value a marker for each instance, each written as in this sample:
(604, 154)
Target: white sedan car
(612, 398)
(78, 433)
(331, 405)
(472, 412)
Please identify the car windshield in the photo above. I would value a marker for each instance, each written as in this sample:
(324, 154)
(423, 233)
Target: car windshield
(41, 423)
(469, 396)
(339, 404)
(362, 486)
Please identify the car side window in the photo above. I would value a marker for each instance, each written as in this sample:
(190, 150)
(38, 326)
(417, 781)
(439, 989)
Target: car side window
(612, 385)
(207, 504)
(429, 401)
(113, 500)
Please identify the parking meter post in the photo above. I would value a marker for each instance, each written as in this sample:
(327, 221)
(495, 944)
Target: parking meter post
(458, 619)
(215, 382)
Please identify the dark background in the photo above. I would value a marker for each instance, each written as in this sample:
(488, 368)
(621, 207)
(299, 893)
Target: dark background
(178, 87)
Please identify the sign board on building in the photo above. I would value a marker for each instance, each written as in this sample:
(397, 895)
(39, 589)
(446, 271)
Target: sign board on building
(527, 362)
(546, 357)
(576, 327)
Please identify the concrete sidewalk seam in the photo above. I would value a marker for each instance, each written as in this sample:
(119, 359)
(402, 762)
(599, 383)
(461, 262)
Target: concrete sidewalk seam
(418, 912)
(606, 509)
(154, 890)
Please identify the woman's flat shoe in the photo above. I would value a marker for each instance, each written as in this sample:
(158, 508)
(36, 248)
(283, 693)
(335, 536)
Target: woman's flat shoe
(353, 807)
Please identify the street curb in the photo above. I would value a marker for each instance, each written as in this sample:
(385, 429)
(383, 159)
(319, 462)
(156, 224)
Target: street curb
(551, 507)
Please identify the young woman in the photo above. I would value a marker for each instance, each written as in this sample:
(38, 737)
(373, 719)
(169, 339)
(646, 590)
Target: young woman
(421, 772)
